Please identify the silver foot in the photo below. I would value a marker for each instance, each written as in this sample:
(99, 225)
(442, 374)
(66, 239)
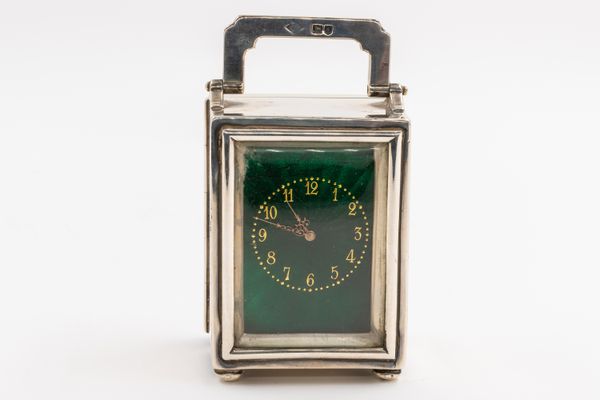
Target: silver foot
(228, 376)
(387, 374)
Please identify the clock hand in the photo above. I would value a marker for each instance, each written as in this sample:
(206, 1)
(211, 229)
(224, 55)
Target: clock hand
(310, 235)
(296, 231)
(302, 225)
(293, 212)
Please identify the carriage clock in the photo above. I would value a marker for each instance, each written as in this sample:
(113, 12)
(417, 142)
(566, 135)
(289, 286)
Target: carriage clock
(307, 214)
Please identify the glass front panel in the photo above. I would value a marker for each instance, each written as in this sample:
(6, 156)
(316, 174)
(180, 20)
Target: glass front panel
(307, 212)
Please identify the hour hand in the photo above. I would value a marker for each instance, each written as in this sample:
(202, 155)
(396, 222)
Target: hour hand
(293, 212)
(302, 226)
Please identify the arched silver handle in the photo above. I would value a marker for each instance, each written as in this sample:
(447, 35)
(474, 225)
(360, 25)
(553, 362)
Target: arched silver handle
(244, 32)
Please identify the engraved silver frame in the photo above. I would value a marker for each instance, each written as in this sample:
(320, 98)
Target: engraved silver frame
(223, 131)
(376, 340)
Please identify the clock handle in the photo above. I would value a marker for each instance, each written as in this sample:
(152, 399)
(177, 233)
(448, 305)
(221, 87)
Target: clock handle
(243, 33)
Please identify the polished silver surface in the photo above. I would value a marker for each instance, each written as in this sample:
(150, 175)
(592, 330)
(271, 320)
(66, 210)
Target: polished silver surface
(243, 33)
(229, 376)
(387, 375)
(241, 344)
(305, 106)
(235, 119)
(222, 243)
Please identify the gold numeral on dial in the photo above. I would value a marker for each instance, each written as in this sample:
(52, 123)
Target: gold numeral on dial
(262, 235)
(357, 233)
(286, 271)
(270, 212)
(310, 279)
(271, 257)
(312, 188)
(288, 195)
(335, 194)
(352, 208)
(350, 257)
(334, 272)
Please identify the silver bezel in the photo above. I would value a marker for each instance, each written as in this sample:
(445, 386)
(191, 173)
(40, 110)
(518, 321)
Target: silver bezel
(224, 131)
(240, 344)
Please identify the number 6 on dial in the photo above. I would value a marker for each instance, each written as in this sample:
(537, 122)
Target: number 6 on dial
(310, 279)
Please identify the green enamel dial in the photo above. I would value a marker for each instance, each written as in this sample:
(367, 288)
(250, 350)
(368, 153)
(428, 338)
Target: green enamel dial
(344, 241)
(307, 227)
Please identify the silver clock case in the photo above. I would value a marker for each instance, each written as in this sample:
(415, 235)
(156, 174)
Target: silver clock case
(354, 119)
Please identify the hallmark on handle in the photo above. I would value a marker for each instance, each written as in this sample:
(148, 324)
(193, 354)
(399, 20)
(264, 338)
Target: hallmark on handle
(322, 29)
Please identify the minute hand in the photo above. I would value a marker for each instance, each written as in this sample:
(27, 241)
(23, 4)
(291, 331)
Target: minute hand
(281, 226)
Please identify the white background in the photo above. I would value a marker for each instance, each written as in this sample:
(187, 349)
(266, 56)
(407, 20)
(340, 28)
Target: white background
(101, 190)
